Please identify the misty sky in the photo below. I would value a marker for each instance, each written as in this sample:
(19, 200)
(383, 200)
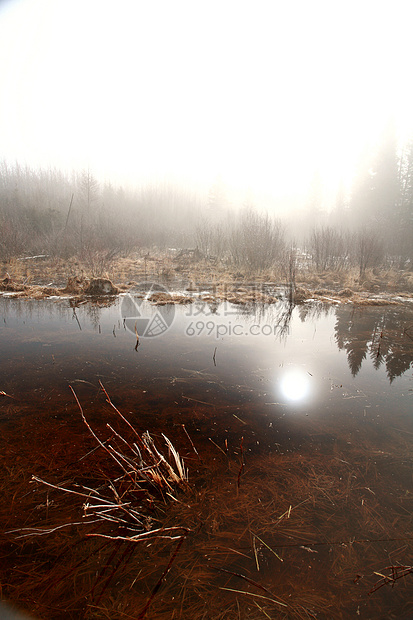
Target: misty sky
(262, 93)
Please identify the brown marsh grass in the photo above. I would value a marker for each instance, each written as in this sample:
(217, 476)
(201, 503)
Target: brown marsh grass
(47, 276)
(265, 534)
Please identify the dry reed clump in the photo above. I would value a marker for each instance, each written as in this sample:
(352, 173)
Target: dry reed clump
(9, 285)
(301, 294)
(14, 289)
(143, 472)
(76, 286)
(162, 267)
(390, 280)
(95, 287)
(163, 299)
(294, 535)
(286, 538)
(100, 286)
(321, 292)
(360, 300)
(115, 507)
(252, 540)
(346, 292)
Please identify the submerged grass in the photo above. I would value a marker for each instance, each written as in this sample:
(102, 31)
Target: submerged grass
(300, 534)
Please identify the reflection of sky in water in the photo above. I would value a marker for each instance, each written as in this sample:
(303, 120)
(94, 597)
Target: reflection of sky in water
(318, 382)
(313, 359)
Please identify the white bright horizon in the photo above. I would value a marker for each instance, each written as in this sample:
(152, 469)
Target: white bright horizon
(263, 94)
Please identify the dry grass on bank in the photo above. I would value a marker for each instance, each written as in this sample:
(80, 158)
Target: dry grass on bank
(44, 277)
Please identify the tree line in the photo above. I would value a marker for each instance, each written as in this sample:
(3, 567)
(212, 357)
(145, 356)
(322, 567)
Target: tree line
(73, 214)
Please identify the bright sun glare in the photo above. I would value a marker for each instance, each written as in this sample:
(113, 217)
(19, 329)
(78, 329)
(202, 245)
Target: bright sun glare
(295, 385)
(264, 94)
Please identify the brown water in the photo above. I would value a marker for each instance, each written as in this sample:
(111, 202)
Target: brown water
(301, 482)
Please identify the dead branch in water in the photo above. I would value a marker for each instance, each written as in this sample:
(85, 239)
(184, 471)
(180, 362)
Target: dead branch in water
(242, 465)
(396, 572)
(162, 577)
(2, 393)
(119, 504)
(137, 338)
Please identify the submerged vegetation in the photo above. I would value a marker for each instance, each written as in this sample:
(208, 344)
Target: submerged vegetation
(179, 508)
(111, 528)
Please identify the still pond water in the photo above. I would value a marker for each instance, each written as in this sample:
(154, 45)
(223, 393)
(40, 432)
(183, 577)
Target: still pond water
(314, 394)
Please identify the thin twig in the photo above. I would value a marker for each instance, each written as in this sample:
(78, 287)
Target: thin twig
(217, 446)
(242, 464)
(192, 443)
(265, 545)
(162, 577)
(256, 595)
(159, 533)
(251, 581)
(397, 572)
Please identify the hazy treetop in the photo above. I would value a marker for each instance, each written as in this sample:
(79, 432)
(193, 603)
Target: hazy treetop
(263, 93)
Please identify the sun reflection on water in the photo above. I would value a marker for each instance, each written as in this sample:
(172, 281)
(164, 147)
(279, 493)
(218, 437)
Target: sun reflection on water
(295, 385)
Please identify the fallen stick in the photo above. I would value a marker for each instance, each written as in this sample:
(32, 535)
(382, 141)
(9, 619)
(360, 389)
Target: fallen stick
(162, 577)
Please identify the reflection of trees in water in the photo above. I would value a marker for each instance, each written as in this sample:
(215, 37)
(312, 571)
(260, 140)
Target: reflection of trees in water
(311, 311)
(382, 335)
(32, 309)
(54, 310)
(93, 311)
(353, 333)
(279, 315)
(306, 312)
(93, 307)
(283, 320)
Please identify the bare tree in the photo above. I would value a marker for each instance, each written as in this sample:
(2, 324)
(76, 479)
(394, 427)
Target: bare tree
(89, 190)
(368, 250)
(256, 241)
(328, 248)
(203, 237)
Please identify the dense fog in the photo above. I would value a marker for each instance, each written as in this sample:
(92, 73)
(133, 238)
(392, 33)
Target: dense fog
(369, 224)
(254, 133)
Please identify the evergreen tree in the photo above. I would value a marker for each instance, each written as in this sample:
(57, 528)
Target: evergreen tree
(404, 220)
(217, 200)
(375, 194)
(362, 191)
(315, 199)
(386, 181)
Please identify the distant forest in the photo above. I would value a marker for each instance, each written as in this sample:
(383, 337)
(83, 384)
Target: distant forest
(63, 215)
